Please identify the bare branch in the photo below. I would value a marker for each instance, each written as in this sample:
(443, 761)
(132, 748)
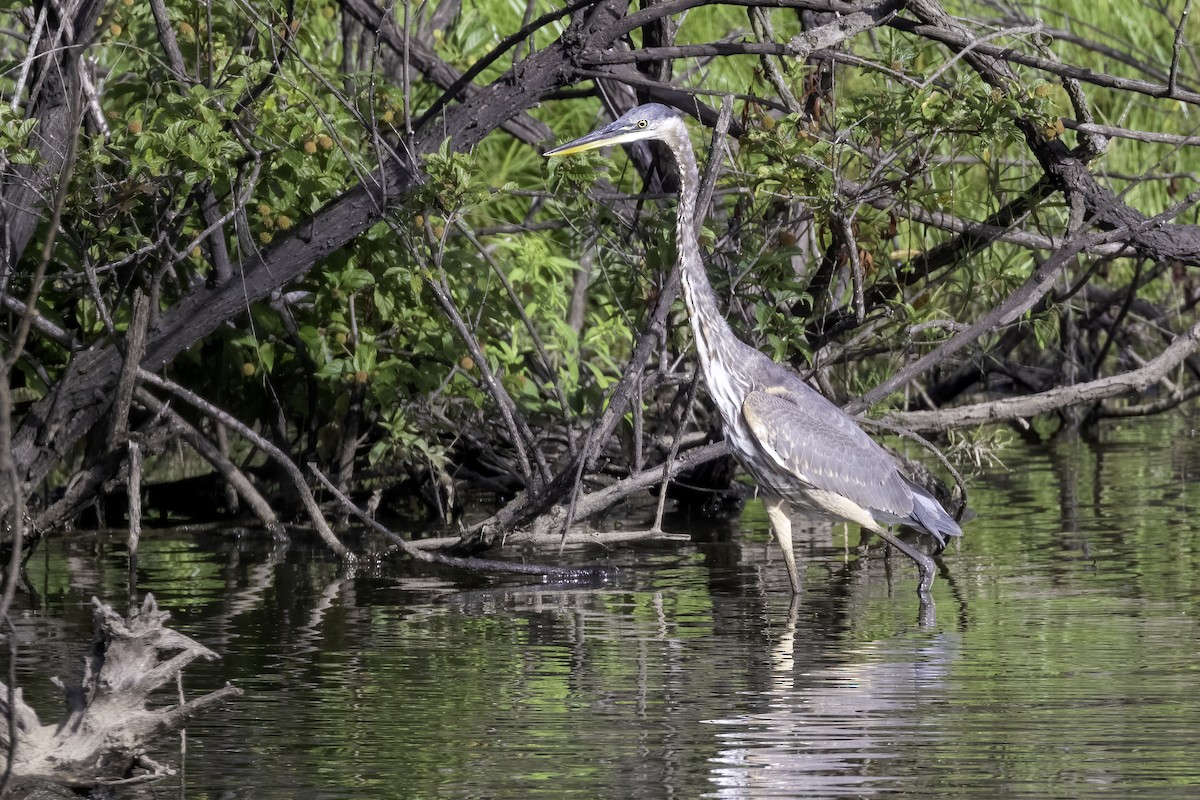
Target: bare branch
(1017, 303)
(1155, 137)
(277, 455)
(1020, 408)
(467, 563)
(1177, 48)
(229, 471)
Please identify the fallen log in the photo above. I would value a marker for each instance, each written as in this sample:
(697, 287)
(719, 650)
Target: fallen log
(102, 736)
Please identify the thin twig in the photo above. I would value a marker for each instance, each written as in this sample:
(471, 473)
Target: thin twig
(278, 456)
(1010, 408)
(34, 39)
(1177, 48)
(472, 564)
(559, 395)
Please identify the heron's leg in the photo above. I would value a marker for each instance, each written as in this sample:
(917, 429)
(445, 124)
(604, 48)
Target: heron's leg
(779, 512)
(924, 563)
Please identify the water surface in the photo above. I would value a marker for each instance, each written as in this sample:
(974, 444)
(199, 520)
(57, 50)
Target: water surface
(1062, 662)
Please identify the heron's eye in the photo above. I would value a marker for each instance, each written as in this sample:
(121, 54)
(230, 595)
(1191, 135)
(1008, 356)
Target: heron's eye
(641, 123)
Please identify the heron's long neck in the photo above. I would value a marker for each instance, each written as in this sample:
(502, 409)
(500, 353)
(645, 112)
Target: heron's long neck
(697, 290)
(718, 347)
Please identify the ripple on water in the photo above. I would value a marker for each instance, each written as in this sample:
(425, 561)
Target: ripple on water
(1062, 662)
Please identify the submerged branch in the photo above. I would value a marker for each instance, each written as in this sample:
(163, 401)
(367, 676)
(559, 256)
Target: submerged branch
(458, 562)
(278, 456)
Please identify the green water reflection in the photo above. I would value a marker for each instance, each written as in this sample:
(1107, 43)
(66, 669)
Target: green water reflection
(1062, 662)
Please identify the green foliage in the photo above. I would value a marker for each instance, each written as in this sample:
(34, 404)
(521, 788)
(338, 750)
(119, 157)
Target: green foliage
(454, 181)
(271, 117)
(14, 137)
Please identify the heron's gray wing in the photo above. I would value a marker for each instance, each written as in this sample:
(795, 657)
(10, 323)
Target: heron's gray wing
(805, 435)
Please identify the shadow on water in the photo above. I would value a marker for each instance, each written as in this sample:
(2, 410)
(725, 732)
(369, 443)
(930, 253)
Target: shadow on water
(1061, 662)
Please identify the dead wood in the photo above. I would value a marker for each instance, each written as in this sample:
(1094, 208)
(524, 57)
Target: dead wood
(1027, 406)
(589, 574)
(55, 82)
(193, 497)
(101, 738)
(280, 458)
(557, 540)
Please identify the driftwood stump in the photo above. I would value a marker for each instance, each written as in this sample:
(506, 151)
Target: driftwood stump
(100, 739)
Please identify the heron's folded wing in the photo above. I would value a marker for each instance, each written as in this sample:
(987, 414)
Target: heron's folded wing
(809, 437)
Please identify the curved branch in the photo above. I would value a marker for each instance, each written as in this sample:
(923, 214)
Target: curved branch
(468, 563)
(1070, 173)
(281, 458)
(1011, 408)
(523, 126)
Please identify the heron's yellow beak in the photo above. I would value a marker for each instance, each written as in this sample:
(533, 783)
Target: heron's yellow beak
(615, 133)
(571, 148)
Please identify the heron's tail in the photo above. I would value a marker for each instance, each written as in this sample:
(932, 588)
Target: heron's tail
(929, 514)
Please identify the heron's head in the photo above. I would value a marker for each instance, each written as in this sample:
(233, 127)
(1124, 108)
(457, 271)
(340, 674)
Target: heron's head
(649, 121)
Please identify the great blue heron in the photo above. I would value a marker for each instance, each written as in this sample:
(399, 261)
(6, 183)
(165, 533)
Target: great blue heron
(803, 451)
